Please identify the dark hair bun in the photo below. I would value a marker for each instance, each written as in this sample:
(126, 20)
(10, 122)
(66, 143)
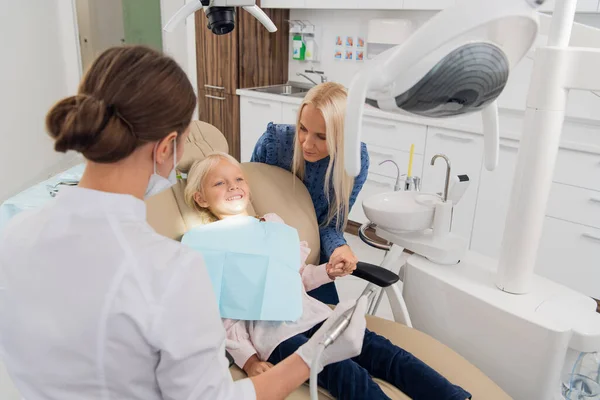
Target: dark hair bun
(74, 122)
(89, 126)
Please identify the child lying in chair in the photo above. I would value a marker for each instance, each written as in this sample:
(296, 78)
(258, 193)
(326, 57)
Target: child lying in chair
(217, 188)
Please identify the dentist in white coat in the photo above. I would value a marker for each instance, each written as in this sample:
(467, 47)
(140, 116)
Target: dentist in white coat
(93, 303)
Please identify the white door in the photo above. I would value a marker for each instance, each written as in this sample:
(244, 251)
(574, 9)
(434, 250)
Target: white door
(289, 113)
(493, 200)
(465, 151)
(255, 115)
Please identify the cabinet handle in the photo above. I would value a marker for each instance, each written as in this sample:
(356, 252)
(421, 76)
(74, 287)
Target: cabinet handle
(258, 103)
(214, 87)
(508, 147)
(214, 97)
(454, 138)
(376, 153)
(379, 124)
(595, 200)
(591, 236)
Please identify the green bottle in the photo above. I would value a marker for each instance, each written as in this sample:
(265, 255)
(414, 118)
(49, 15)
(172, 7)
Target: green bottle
(298, 47)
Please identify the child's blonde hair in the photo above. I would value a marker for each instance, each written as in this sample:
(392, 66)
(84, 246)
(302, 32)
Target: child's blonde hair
(195, 181)
(330, 99)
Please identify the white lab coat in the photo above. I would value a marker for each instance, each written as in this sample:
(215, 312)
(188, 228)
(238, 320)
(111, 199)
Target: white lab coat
(95, 305)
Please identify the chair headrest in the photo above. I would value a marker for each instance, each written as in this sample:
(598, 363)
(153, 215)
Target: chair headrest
(203, 139)
(273, 190)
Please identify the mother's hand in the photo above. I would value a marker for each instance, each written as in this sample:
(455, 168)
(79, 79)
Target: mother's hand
(342, 262)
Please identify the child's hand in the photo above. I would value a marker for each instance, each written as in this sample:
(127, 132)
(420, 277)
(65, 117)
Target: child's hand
(337, 271)
(257, 368)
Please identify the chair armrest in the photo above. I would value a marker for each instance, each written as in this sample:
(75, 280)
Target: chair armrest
(375, 274)
(230, 358)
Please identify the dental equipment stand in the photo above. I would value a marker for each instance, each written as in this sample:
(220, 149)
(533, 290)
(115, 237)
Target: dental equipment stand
(518, 328)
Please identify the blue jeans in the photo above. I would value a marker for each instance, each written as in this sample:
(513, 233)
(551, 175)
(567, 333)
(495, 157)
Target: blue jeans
(351, 379)
(326, 294)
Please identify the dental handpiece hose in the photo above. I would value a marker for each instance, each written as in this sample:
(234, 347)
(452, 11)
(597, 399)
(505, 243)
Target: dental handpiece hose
(332, 334)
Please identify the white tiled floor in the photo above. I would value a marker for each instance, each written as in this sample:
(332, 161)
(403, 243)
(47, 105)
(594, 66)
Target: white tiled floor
(348, 288)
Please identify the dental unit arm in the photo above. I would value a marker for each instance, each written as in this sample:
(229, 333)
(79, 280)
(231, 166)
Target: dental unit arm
(220, 14)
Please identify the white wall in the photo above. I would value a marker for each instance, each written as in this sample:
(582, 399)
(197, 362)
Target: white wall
(181, 43)
(331, 23)
(40, 64)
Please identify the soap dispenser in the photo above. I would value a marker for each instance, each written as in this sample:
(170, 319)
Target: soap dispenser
(298, 47)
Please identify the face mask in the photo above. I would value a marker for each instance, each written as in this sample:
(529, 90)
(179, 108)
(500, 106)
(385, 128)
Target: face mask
(159, 183)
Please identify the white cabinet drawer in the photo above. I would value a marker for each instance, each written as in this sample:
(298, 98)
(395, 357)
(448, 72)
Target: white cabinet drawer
(394, 135)
(374, 184)
(381, 4)
(289, 113)
(282, 3)
(570, 254)
(428, 4)
(332, 4)
(255, 115)
(574, 204)
(379, 154)
(578, 168)
(465, 151)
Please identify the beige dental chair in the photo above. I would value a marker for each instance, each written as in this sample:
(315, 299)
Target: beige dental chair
(273, 190)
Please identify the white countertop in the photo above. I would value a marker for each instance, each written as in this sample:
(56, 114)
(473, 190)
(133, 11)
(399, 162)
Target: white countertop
(581, 135)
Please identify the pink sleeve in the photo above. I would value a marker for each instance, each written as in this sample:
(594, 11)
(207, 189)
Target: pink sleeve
(314, 276)
(237, 332)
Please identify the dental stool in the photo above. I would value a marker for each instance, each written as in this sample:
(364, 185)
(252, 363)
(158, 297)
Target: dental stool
(274, 190)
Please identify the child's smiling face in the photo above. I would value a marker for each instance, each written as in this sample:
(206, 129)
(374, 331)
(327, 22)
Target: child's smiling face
(224, 191)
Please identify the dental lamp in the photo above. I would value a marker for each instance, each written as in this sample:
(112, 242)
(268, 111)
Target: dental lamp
(220, 14)
(455, 64)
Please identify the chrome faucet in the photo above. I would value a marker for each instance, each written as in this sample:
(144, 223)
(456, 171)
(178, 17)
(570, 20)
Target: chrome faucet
(397, 186)
(312, 71)
(308, 78)
(411, 183)
(448, 168)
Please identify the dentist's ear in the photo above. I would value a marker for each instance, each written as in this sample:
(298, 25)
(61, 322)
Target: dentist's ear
(199, 199)
(165, 148)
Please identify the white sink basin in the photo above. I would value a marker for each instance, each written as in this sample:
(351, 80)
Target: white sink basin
(401, 211)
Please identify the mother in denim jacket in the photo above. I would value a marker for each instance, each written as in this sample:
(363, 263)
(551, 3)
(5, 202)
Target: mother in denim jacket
(313, 150)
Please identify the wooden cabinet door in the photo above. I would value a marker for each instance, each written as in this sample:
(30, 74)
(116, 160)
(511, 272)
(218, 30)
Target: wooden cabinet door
(217, 57)
(222, 111)
(263, 56)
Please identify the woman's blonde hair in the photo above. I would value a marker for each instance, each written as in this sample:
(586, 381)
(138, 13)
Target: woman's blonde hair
(195, 181)
(330, 99)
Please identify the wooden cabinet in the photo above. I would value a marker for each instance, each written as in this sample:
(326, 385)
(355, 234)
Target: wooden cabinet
(249, 56)
(223, 111)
